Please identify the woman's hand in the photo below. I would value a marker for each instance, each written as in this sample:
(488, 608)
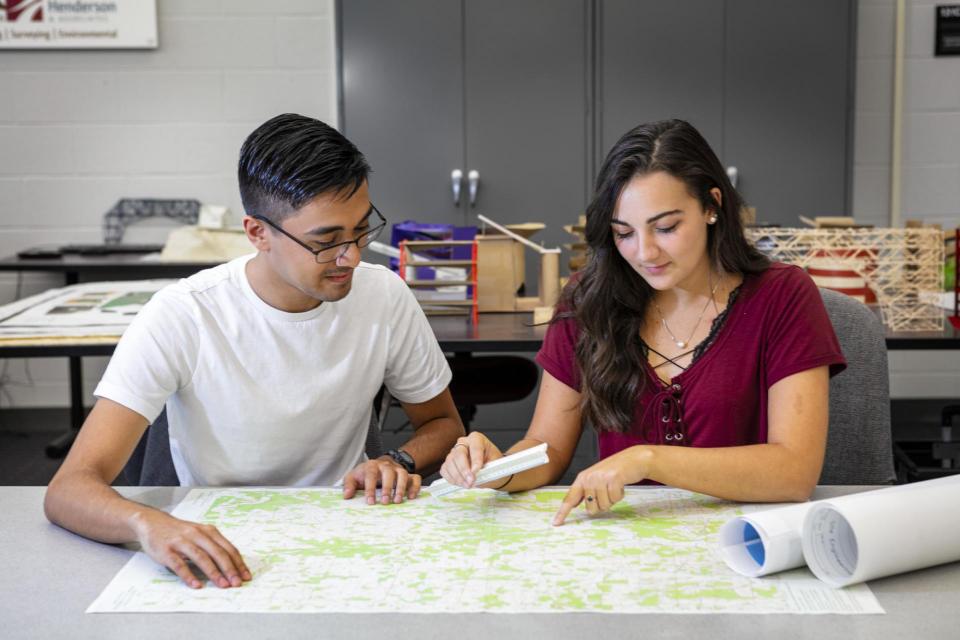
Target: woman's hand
(601, 486)
(467, 458)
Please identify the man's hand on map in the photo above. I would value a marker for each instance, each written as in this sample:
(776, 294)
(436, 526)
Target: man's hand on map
(467, 458)
(395, 482)
(173, 543)
(601, 486)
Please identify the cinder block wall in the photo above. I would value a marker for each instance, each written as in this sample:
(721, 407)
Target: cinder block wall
(930, 161)
(78, 130)
(81, 129)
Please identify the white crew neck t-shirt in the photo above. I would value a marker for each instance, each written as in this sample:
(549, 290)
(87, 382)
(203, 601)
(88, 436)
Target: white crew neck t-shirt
(259, 396)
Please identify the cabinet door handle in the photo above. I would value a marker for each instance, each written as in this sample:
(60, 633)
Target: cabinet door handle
(733, 173)
(473, 183)
(456, 179)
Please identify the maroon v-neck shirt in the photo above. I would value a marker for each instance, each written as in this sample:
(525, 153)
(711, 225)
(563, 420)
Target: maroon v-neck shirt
(776, 327)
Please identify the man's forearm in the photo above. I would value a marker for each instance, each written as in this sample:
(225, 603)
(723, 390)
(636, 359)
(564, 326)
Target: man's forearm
(431, 443)
(84, 504)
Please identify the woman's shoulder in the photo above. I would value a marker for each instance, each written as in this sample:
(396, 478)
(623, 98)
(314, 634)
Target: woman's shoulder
(780, 278)
(782, 272)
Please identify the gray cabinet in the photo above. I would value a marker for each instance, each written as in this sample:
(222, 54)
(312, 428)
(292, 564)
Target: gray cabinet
(494, 87)
(767, 82)
(526, 117)
(402, 92)
(531, 94)
(788, 105)
(659, 60)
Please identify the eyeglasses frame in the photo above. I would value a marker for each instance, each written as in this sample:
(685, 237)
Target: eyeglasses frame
(372, 233)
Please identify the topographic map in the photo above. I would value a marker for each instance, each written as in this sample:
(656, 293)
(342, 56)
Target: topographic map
(479, 550)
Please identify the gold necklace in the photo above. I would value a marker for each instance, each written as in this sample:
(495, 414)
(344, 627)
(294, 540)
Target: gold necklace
(683, 343)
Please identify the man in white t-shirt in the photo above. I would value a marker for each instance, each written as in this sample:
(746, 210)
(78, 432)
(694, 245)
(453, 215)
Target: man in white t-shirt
(267, 365)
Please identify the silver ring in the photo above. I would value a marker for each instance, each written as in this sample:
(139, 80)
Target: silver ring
(460, 444)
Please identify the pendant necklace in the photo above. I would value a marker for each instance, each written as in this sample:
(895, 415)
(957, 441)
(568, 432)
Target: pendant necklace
(683, 343)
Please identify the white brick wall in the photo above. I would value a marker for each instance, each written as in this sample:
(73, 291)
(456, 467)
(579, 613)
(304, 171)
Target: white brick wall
(81, 129)
(78, 130)
(931, 122)
(873, 111)
(931, 155)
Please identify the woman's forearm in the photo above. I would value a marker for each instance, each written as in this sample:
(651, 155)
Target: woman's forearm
(749, 473)
(532, 478)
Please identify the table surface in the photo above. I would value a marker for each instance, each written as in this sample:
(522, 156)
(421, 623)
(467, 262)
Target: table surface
(51, 576)
(119, 263)
(509, 332)
(495, 332)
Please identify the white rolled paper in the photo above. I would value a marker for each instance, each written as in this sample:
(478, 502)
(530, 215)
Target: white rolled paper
(870, 535)
(764, 542)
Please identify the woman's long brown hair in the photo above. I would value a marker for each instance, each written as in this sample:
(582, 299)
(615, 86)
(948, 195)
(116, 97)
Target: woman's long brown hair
(609, 299)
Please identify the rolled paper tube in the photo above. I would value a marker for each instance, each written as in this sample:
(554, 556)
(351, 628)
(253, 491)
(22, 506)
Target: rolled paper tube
(865, 536)
(764, 542)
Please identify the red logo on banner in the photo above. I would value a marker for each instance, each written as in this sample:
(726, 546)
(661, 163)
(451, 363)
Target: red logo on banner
(22, 10)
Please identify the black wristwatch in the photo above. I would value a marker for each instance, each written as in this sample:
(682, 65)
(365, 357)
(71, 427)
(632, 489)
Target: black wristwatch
(403, 459)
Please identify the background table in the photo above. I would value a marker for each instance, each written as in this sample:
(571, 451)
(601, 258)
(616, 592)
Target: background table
(495, 332)
(51, 576)
(74, 268)
(508, 332)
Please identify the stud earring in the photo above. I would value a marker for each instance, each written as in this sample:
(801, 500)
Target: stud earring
(712, 219)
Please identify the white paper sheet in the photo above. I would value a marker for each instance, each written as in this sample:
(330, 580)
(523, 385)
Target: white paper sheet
(88, 309)
(478, 550)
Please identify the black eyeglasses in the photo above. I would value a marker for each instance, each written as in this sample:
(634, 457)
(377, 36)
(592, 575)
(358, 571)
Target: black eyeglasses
(333, 252)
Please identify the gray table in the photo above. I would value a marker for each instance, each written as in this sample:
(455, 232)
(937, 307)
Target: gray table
(50, 577)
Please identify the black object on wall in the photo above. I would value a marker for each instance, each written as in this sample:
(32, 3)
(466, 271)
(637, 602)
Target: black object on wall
(948, 30)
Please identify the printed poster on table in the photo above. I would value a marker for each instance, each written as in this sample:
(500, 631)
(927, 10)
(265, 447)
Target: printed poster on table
(78, 24)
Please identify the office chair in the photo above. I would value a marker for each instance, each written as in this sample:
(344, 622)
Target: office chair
(859, 440)
(477, 380)
(151, 464)
(489, 380)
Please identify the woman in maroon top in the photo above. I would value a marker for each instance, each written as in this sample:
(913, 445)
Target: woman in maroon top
(700, 364)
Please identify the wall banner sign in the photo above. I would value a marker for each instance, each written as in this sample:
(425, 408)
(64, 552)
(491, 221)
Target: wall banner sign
(78, 24)
(948, 30)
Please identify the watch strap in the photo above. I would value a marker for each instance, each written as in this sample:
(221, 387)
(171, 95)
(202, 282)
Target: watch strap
(403, 458)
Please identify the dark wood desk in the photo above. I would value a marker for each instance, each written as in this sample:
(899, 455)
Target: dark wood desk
(495, 332)
(948, 338)
(75, 267)
(503, 332)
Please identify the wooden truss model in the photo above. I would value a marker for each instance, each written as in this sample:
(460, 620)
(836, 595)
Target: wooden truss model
(902, 266)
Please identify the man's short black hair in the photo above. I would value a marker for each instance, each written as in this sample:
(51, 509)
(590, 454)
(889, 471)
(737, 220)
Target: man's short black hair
(291, 159)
